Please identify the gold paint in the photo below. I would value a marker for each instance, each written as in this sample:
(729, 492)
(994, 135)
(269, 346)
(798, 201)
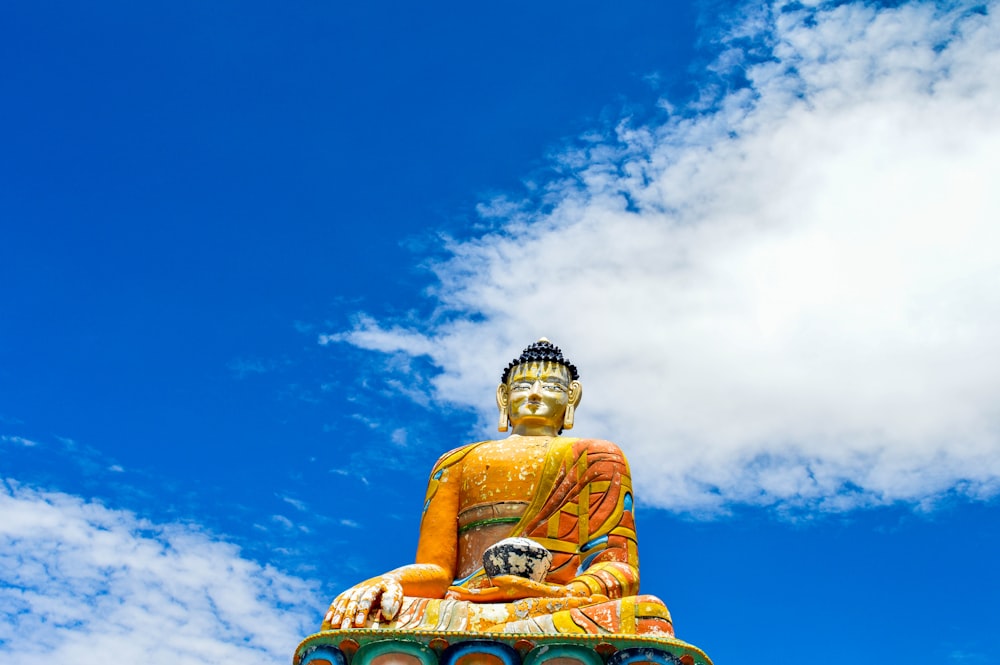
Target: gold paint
(552, 527)
(535, 398)
(652, 610)
(564, 623)
(627, 615)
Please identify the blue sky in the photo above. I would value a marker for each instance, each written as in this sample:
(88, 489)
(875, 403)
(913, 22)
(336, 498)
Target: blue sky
(261, 264)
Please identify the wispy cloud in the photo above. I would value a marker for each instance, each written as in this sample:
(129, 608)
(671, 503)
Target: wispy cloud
(283, 521)
(81, 583)
(295, 503)
(786, 292)
(350, 474)
(18, 441)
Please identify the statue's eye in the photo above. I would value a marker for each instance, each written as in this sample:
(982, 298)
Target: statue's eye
(555, 387)
(520, 386)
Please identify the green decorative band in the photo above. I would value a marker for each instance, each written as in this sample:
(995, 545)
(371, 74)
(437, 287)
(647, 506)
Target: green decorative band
(488, 522)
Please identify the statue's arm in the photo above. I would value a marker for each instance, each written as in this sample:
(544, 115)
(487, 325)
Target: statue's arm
(614, 571)
(614, 579)
(428, 577)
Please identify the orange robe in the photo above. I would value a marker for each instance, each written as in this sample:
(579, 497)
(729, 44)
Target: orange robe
(582, 513)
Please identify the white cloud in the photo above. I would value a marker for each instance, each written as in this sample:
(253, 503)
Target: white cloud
(301, 506)
(283, 521)
(19, 440)
(788, 295)
(83, 584)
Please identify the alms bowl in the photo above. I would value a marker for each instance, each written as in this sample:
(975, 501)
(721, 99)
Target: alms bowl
(517, 556)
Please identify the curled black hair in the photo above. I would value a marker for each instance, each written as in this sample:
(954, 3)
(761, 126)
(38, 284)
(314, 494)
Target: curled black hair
(540, 352)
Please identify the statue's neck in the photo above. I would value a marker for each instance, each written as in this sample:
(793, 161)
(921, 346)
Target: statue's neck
(523, 429)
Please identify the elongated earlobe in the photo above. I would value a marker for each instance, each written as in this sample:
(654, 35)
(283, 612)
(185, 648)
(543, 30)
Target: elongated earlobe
(575, 395)
(502, 400)
(568, 418)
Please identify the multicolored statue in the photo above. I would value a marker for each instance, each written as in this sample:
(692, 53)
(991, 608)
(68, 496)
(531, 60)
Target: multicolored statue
(531, 535)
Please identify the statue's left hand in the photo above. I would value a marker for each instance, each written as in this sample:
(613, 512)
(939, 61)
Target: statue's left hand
(506, 588)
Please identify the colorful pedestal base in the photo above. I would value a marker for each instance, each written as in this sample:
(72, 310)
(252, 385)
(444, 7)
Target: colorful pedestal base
(387, 647)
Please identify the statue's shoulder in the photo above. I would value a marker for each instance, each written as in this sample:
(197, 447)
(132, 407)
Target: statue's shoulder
(599, 446)
(455, 455)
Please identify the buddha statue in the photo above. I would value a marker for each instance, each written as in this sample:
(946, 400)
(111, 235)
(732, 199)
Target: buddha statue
(571, 496)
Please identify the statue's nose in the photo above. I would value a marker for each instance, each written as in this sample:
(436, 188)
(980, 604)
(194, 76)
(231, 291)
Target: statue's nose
(536, 388)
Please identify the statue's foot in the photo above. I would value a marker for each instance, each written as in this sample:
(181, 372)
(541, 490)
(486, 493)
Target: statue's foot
(636, 615)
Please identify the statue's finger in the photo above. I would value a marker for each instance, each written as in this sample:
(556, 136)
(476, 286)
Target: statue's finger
(368, 597)
(352, 604)
(392, 598)
(348, 609)
(336, 610)
(364, 604)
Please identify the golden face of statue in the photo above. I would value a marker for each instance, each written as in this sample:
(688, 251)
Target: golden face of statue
(538, 393)
(536, 397)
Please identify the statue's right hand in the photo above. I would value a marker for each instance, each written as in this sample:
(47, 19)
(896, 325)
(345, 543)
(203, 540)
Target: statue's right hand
(352, 607)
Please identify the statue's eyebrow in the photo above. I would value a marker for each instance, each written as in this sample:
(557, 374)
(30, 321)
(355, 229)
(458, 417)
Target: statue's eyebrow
(551, 378)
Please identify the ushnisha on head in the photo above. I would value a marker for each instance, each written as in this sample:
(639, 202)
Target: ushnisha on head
(539, 392)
